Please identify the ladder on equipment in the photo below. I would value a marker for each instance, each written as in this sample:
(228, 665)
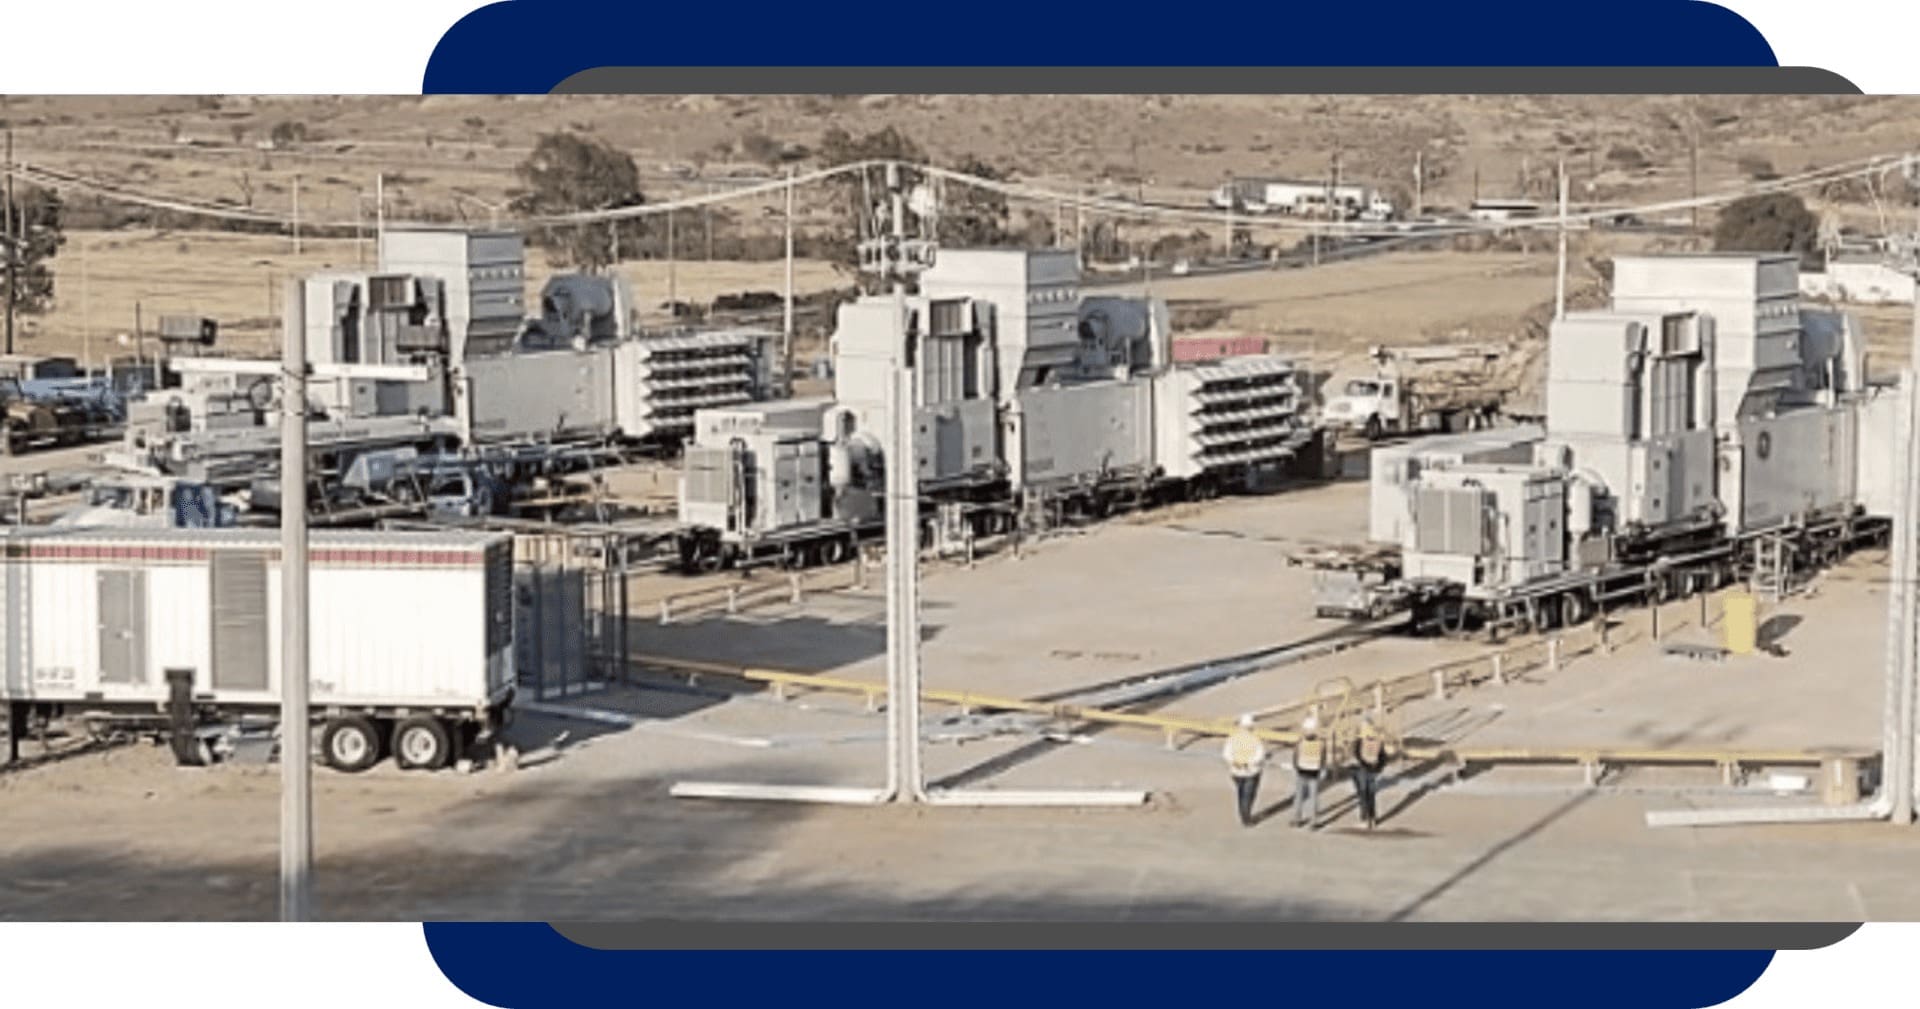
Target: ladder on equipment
(1772, 567)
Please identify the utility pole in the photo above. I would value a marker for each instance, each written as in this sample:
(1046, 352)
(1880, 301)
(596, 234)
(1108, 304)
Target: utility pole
(1904, 583)
(786, 307)
(1079, 229)
(706, 218)
(296, 746)
(86, 314)
(1693, 166)
(379, 214)
(673, 285)
(1419, 183)
(296, 213)
(13, 246)
(1560, 279)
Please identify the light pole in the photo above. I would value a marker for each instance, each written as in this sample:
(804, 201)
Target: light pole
(895, 257)
(296, 745)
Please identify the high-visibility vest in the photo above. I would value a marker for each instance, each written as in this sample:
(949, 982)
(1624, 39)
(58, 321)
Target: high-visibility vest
(1244, 752)
(1309, 754)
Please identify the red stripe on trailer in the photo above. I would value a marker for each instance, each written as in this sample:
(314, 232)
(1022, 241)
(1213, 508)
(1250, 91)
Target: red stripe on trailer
(395, 557)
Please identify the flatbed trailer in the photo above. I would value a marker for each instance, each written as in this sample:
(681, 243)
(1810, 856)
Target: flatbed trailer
(1367, 584)
(976, 509)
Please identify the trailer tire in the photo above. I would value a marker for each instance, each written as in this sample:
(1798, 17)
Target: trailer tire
(349, 744)
(422, 743)
(835, 551)
(1575, 609)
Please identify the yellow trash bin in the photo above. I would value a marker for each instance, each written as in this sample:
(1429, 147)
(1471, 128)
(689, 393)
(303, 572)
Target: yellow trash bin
(1741, 623)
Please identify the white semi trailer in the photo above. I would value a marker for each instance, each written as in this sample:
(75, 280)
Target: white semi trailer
(172, 629)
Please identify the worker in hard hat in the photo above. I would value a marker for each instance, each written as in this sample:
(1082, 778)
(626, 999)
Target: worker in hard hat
(1246, 758)
(1369, 758)
(1309, 763)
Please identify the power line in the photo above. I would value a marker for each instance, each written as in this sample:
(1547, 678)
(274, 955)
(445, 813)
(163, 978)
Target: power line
(1131, 209)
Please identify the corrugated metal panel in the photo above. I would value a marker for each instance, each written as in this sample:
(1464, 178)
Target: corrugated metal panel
(239, 629)
(1448, 520)
(499, 597)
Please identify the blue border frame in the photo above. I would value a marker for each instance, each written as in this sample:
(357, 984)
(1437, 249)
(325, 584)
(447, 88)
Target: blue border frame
(524, 47)
(527, 47)
(528, 964)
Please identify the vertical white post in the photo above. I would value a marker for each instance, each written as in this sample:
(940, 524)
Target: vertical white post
(903, 529)
(379, 213)
(86, 314)
(1560, 278)
(296, 213)
(786, 308)
(1419, 183)
(296, 762)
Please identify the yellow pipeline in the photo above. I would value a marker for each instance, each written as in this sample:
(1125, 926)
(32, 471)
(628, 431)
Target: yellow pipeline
(1221, 726)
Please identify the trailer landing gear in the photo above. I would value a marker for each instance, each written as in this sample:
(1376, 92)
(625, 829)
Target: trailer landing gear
(16, 729)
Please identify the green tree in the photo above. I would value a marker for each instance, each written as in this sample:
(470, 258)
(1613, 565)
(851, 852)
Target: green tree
(853, 193)
(974, 217)
(34, 239)
(567, 173)
(1768, 222)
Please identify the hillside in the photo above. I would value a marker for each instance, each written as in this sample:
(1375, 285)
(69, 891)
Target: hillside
(452, 156)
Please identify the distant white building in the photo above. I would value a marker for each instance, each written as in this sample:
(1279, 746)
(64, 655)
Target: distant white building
(1867, 281)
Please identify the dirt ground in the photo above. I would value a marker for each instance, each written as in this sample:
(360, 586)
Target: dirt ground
(584, 827)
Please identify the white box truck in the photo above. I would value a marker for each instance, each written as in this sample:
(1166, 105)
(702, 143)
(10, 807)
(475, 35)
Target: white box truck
(411, 635)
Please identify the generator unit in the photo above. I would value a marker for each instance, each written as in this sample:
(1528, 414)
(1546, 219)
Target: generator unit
(434, 350)
(1705, 427)
(1031, 404)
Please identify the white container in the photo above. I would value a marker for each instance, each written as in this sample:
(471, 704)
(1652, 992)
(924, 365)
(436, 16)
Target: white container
(400, 623)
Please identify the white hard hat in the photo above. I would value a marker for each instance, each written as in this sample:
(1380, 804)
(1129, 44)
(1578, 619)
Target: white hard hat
(1310, 724)
(1246, 721)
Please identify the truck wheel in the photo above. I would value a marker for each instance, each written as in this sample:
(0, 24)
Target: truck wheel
(1373, 429)
(422, 744)
(350, 744)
